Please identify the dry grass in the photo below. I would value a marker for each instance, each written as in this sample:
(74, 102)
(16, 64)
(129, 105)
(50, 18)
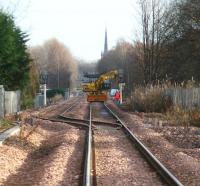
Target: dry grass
(150, 99)
(153, 98)
(184, 117)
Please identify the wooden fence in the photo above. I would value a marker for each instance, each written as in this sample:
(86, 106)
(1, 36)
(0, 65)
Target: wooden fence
(187, 98)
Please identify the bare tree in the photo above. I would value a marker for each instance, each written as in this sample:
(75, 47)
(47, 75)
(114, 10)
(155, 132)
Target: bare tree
(54, 57)
(39, 56)
(152, 12)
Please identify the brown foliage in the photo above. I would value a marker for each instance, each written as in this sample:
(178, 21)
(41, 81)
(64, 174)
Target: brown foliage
(56, 58)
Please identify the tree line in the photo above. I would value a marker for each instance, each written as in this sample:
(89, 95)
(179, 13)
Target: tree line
(21, 66)
(169, 47)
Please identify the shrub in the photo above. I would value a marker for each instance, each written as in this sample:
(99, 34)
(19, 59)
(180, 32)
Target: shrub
(150, 99)
(53, 92)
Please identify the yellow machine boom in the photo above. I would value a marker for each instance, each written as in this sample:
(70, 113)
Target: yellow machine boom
(96, 91)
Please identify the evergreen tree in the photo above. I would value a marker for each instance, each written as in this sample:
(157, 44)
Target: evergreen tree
(14, 59)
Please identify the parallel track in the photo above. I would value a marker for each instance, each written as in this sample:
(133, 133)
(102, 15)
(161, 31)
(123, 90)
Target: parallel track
(57, 119)
(88, 179)
(88, 176)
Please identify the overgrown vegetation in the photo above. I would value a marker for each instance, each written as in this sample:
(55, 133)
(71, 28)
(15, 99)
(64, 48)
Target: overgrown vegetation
(153, 100)
(29, 92)
(150, 99)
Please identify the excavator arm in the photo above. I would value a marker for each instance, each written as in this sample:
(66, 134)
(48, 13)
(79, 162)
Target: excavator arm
(103, 78)
(96, 91)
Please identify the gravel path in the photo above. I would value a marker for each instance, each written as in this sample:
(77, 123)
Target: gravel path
(184, 163)
(118, 162)
(51, 155)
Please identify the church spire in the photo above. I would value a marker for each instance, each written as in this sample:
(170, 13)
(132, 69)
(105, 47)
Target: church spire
(105, 42)
(105, 51)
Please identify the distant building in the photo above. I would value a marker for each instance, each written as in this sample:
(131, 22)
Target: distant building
(105, 45)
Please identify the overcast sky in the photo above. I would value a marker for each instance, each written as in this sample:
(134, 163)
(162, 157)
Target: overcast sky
(79, 24)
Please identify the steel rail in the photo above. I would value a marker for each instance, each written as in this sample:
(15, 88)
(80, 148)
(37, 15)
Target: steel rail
(73, 119)
(73, 104)
(74, 123)
(160, 168)
(87, 121)
(106, 123)
(87, 180)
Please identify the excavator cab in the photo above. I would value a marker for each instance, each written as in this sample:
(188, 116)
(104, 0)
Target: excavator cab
(106, 85)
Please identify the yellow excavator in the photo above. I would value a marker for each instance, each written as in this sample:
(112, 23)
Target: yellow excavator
(97, 91)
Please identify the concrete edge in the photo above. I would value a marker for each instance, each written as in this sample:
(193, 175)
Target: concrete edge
(8, 133)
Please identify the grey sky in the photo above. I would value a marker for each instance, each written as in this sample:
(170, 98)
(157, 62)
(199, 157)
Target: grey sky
(79, 24)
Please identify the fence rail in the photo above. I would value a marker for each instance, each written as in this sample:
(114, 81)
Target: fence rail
(185, 97)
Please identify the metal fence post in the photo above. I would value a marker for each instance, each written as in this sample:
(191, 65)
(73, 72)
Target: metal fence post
(45, 95)
(2, 101)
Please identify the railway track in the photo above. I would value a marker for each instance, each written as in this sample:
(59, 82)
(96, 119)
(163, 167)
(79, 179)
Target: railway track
(112, 157)
(103, 123)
